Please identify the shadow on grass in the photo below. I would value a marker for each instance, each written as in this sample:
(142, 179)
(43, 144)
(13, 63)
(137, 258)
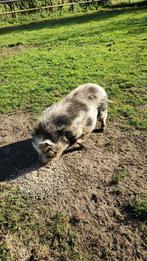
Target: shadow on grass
(135, 214)
(65, 21)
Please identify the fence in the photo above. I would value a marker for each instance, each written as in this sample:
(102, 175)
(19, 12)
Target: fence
(60, 6)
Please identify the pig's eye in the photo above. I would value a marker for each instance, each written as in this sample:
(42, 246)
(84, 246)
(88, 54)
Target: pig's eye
(47, 149)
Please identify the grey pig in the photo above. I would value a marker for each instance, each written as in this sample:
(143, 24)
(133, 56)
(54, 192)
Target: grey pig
(68, 121)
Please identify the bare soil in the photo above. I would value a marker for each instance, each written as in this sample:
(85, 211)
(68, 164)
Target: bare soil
(80, 183)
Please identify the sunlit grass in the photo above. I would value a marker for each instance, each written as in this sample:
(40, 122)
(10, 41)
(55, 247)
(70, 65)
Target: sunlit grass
(41, 62)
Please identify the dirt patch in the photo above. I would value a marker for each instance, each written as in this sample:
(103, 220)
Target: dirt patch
(13, 49)
(80, 184)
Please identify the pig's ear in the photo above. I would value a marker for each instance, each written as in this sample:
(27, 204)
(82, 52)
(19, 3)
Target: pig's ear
(45, 145)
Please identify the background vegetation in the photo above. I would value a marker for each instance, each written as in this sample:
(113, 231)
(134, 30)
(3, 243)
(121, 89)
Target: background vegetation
(27, 10)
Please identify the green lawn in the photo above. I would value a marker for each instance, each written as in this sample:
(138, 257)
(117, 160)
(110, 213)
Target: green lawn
(41, 62)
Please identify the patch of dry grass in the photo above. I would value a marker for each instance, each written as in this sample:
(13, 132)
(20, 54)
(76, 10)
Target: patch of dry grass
(29, 230)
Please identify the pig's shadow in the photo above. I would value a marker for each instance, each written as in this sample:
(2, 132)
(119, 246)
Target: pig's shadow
(16, 158)
(20, 158)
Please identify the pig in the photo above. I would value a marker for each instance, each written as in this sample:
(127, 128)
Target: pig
(70, 120)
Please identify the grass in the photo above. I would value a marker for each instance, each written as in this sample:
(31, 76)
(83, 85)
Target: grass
(28, 231)
(138, 207)
(41, 62)
(120, 176)
(38, 15)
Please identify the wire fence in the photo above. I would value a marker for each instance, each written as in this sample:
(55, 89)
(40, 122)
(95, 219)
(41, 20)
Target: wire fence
(12, 7)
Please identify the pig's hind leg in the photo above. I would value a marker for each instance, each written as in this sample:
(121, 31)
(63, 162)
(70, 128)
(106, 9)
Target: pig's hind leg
(103, 117)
